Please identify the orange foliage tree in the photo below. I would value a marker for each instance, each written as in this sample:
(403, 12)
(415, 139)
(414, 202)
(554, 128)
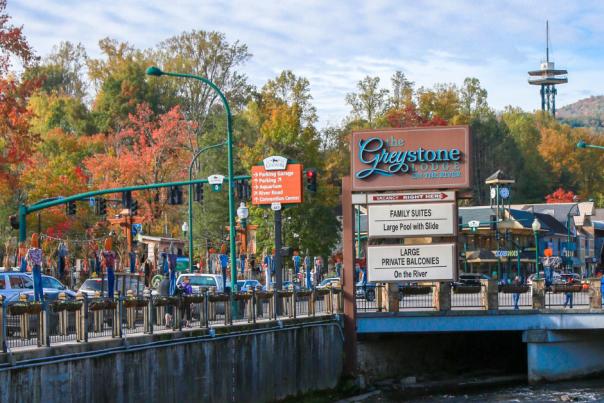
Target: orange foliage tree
(149, 149)
(561, 196)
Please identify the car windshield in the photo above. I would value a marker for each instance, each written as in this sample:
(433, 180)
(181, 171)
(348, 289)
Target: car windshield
(49, 282)
(241, 283)
(93, 284)
(203, 281)
(325, 282)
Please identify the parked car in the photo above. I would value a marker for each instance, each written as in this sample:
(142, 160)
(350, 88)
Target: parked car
(287, 284)
(123, 283)
(556, 278)
(565, 278)
(247, 285)
(14, 284)
(203, 281)
(470, 279)
(329, 282)
(365, 291)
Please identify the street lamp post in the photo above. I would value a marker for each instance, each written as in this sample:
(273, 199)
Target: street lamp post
(536, 227)
(583, 144)
(197, 154)
(155, 71)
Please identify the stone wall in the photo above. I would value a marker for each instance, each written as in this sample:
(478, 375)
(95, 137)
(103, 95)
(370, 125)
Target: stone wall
(264, 365)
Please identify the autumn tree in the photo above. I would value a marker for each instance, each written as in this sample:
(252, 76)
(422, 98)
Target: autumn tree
(16, 140)
(561, 196)
(146, 150)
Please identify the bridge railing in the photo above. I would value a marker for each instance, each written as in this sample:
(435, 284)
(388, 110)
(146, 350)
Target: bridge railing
(484, 296)
(30, 324)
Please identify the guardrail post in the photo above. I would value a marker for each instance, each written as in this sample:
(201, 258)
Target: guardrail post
(276, 304)
(118, 315)
(228, 320)
(595, 293)
(294, 302)
(130, 311)
(176, 316)
(43, 331)
(391, 298)
(538, 293)
(311, 302)
(98, 316)
(80, 319)
(442, 296)
(3, 325)
(489, 295)
(148, 312)
(206, 310)
(254, 305)
(380, 290)
(63, 318)
(24, 320)
(213, 304)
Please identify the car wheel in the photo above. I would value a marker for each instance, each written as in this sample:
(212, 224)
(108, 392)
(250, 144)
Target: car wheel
(370, 295)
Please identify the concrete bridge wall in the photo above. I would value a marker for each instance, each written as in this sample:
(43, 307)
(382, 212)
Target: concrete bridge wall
(262, 365)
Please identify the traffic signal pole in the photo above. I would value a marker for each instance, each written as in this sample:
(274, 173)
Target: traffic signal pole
(24, 210)
(197, 154)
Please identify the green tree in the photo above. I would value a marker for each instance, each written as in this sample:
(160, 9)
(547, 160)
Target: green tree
(370, 101)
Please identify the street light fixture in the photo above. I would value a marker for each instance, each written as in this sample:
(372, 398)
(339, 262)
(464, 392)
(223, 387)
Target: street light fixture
(243, 213)
(536, 225)
(583, 144)
(157, 72)
(185, 228)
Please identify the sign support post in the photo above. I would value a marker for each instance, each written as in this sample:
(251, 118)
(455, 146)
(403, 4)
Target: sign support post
(350, 311)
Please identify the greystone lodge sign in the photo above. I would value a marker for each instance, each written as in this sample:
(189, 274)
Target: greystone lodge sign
(411, 158)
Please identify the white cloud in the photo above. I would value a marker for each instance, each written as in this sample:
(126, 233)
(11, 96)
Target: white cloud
(334, 44)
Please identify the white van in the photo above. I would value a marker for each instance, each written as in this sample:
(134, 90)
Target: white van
(201, 282)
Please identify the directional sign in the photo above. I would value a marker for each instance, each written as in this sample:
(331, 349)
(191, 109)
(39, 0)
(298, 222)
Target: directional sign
(277, 186)
(413, 197)
(411, 262)
(412, 220)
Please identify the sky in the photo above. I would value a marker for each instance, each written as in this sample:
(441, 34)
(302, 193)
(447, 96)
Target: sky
(335, 43)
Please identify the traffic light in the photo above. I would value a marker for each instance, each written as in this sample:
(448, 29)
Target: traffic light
(174, 195)
(14, 222)
(198, 192)
(247, 190)
(101, 206)
(133, 207)
(126, 199)
(239, 190)
(493, 222)
(311, 180)
(71, 208)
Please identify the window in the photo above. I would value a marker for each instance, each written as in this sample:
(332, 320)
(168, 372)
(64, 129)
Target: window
(15, 282)
(2, 283)
(27, 282)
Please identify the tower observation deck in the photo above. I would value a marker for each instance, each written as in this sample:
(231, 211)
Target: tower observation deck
(548, 77)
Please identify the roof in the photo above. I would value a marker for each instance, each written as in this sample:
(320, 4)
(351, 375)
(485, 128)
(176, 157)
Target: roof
(561, 211)
(498, 177)
(551, 224)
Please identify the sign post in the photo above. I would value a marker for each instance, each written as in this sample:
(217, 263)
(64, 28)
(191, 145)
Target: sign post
(274, 183)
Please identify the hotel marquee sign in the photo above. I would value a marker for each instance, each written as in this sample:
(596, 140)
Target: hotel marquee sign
(413, 158)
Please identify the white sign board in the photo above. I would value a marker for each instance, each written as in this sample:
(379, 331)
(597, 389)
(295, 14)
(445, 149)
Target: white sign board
(412, 220)
(410, 197)
(433, 262)
(275, 206)
(215, 179)
(275, 163)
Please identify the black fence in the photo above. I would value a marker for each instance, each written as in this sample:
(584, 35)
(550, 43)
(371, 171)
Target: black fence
(27, 324)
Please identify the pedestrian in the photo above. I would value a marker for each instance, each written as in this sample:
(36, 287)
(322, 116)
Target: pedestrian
(569, 294)
(108, 262)
(164, 292)
(185, 289)
(516, 295)
(34, 260)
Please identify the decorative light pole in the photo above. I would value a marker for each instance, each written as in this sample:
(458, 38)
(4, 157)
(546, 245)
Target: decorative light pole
(536, 227)
(155, 71)
(583, 144)
(243, 213)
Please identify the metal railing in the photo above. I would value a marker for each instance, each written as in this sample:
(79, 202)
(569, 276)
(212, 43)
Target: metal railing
(29, 324)
(418, 298)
